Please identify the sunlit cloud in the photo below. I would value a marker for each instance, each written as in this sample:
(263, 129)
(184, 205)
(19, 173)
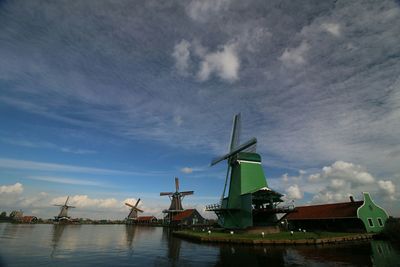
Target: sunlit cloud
(11, 189)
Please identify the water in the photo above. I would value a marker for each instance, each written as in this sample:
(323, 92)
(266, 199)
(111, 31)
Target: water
(120, 245)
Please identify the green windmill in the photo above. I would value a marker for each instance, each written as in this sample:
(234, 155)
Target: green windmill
(249, 201)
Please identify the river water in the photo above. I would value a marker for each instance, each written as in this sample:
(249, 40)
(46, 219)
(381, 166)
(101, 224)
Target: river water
(120, 245)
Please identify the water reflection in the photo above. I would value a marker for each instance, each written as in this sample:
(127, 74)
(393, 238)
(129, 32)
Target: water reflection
(250, 256)
(58, 230)
(120, 245)
(173, 245)
(381, 253)
(384, 254)
(341, 254)
(130, 231)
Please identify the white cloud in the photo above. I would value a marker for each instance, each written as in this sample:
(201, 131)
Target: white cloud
(84, 201)
(294, 192)
(178, 120)
(388, 189)
(337, 182)
(202, 10)
(332, 28)
(223, 63)
(16, 188)
(295, 56)
(131, 201)
(40, 200)
(330, 197)
(186, 170)
(182, 57)
(341, 171)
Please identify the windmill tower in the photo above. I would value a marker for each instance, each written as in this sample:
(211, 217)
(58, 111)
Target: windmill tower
(133, 214)
(249, 201)
(63, 215)
(176, 200)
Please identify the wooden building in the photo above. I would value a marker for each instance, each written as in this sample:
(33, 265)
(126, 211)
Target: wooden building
(29, 219)
(188, 217)
(146, 220)
(353, 216)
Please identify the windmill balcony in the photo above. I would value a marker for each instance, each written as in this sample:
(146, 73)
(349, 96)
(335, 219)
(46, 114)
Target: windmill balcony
(213, 207)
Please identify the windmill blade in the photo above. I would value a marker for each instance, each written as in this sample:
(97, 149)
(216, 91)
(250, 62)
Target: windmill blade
(251, 149)
(66, 201)
(130, 205)
(235, 151)
(137, 209)
(166, 193)
(235, 134)
(186, 193)
(176, 184)
(137, 202)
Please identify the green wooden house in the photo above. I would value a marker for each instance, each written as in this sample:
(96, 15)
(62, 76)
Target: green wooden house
(373, 216)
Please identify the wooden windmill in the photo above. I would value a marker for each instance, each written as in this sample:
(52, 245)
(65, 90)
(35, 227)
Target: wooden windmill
(63, 215)
(176, 200)
(249, 201)
(133, 214)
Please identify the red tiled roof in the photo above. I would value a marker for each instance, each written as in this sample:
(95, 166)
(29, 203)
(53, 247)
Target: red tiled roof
(182, 215)
(28, 218)
(146, 218)
(326, 211)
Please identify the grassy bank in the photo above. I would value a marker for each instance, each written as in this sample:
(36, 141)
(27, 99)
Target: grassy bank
(276, 238)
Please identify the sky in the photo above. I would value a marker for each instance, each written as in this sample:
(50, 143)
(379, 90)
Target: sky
(108, 101)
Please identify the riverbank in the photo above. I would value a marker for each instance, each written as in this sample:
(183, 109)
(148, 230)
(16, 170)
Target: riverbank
(283, 238)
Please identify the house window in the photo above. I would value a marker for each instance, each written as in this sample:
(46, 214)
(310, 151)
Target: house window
(380, 222)
(370, 222)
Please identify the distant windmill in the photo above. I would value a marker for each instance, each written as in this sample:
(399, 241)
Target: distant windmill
(63, 215)
(176, 199)
(133, 214)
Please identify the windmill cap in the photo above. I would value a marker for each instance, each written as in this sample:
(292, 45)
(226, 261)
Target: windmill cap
(249, 156)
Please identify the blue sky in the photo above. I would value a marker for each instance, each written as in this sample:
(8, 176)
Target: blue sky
(108, 101)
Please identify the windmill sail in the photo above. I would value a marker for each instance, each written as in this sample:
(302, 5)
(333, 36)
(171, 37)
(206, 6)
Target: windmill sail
(249, 201)
(235, 134)
(234, 148)
(133, 214)
(63, 214)
(176, 198)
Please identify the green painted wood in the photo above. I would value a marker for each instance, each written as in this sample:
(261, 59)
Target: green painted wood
(254, 178)
(247, 176)
(370, 213)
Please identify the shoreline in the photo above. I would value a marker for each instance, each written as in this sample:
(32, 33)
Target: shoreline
(238, 239)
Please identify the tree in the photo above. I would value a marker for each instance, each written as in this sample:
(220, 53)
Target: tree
(3, 214)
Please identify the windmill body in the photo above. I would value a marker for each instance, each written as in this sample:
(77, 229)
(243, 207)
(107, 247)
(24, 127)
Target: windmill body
(176, 201)
(63, 214)
(249, 201)
(133, 214)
